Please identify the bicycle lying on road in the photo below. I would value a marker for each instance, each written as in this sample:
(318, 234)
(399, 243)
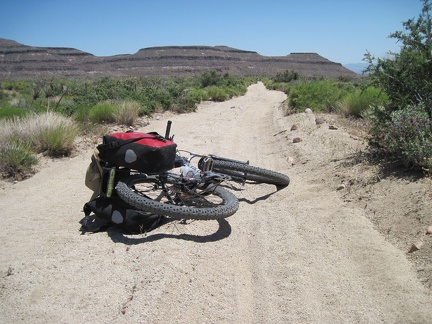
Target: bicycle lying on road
(147, 172)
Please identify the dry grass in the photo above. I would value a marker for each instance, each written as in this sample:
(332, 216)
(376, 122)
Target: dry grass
(49, 132)
(127, 113)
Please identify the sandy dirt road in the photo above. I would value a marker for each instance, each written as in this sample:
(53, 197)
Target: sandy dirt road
(299, 255)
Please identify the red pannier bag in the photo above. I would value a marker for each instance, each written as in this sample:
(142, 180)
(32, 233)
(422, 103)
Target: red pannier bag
(149, 153)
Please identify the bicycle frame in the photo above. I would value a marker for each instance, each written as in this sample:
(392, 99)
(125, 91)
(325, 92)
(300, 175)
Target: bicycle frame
(190, 175)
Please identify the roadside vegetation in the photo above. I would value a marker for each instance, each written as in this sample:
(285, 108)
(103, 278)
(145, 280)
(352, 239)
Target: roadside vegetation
(395, 98)
(45, 116)
(402, 128)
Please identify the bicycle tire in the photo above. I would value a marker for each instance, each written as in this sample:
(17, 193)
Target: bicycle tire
(227, 206)
(252, 173)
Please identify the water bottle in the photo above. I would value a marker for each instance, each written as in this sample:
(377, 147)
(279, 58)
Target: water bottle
(190, 172)
(111, 182)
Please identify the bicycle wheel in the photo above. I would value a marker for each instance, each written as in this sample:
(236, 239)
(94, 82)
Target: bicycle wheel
(177, 202)
(252, 173)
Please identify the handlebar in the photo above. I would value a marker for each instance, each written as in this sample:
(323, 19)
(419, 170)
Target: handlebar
(168, 130)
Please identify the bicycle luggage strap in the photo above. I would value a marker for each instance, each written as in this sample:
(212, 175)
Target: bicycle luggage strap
(117, 144)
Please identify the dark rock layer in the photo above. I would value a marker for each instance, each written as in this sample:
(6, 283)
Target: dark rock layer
(21, 61)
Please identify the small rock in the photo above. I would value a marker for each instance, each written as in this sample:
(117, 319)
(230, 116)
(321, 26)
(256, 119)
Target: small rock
(290, 160)
(429, 230)
(416, 246)
(333, 127)
(297, 140)
(319, 121)
(308, 111)
(294, 127)
(340, 187)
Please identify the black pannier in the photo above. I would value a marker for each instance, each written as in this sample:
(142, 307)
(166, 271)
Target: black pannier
(101, 213)
(149, 153)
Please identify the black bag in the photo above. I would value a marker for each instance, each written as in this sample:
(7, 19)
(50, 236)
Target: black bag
(114, 212)
(145, 152)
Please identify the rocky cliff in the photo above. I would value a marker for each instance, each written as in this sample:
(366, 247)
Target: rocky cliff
(21, 61)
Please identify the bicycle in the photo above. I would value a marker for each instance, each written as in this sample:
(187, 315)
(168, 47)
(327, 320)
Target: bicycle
(185, 191)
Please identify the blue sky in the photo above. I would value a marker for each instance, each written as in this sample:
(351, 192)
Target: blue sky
(340, 30)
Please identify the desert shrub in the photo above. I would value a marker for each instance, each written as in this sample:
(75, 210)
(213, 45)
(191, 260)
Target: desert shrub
(320, 96)
(86, 100)
(51, 133)
(360, 102)
(102, 112)
(286, 76)
(16, 157)
(216, 93)
(406, 136)
(191, 97)
(210, 78)
(17, 85)
(284, 87)
(9, 112)
(406, 76)
(66, 106)
(160, 96)
(3, 95)
(238, 90)
(127, 112)
(402, 126)
(81, 113)
(270, 84)
(58, 139)
(234, 84)
(148, 107)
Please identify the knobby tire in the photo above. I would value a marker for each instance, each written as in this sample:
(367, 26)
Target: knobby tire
(251, 173)
(228, 201)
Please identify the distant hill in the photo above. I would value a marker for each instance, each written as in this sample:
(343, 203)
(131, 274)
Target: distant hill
(22, 61)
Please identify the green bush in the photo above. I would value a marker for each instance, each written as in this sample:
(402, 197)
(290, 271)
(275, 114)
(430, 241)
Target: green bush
(211, 78)
(81, 113)
(102, 112)
(148, 107)
(406, 76)
(58, 140)
(235, 91)
(286, 77)
(93, 99)
(402, 126)
(3, 95)
(191, 97)
(406, 136)
(17, 85)
(360, 102)
(318, 95)
(9, 112)
(159, 95)
(16, 158)
(216, 93)
(127, 112)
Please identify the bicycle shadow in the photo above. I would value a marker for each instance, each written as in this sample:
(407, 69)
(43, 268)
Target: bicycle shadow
(254, 201)
(223, 231)
(117, 235)
(263, 197)
(260, 198)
